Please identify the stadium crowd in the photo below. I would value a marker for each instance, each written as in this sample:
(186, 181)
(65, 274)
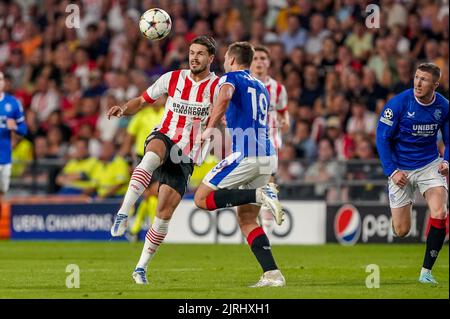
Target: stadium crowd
(338, 74)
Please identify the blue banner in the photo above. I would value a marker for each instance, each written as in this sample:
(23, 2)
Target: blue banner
(63, 221)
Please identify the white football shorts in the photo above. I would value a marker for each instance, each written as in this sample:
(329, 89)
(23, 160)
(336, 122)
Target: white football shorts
(5, 176)
(420, 179)
(236, 171)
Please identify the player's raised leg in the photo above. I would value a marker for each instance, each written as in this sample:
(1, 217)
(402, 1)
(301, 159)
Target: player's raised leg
(436, 198)
(209, 197)
(260, 246)
(140, 179)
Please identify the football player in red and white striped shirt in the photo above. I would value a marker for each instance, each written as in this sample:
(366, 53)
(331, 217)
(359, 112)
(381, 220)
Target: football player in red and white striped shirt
(277, 116)
(174, 146)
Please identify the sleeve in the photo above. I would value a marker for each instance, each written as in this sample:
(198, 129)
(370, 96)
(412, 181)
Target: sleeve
(445, 133)
(20, 118)
(227, 78)
(157, 89)
(281, 105)
(387, 126)
(215, 91)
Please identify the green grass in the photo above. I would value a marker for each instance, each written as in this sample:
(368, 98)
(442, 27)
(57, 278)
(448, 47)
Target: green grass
(37, 270)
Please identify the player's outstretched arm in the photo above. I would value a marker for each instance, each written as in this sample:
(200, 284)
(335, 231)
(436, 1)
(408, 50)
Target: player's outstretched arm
(130, 108)
(220, 107)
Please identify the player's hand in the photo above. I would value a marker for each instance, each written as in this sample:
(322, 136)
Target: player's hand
(116, 110)
(400, 179)
(206, 135)
(443, 168)
(11, 124)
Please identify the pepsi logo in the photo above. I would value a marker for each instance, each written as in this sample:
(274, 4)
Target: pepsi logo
(347, 225)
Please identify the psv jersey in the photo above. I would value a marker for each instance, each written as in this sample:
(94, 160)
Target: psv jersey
(278, 104)
(187, 107)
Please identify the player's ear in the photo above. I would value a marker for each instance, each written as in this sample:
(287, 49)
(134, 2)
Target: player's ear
(211, 58)
(436, 85)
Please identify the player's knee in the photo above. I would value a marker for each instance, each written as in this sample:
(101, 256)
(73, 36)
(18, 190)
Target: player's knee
(200, 201)
(402, 231)
(439, 213)
(150, 162)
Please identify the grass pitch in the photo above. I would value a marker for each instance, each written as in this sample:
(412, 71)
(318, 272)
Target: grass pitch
(38, 270)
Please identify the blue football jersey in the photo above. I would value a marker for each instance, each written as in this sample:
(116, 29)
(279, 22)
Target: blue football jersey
(246, 115)
(10, 108)
(407, 132)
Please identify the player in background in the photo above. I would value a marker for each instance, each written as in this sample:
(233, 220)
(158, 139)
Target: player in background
(241, 178)
(406, 142)
(12, 119)
(173, 146)
(277, 116)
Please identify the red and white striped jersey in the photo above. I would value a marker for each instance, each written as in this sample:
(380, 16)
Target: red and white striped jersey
(278, 104)
(187, 107)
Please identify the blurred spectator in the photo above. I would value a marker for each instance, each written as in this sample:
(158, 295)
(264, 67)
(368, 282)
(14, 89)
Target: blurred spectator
(45, 100)
(304, 145)
(16, 67)
(31, 40)
(365, 170)
(396, 13)
(107, 128)
(111, 173)
(294, 36)
(57, 148)
(328, 57)
(82, 66)
(291, 8)
(362, 120)
(343, 143)
(77, 175)
(87, 132)
(55, 119)
(403, 77)
(288, 168)
(317, 33)
(325, 170)
(360, 42)
(372, 90)
(22, 155)
(312, 88)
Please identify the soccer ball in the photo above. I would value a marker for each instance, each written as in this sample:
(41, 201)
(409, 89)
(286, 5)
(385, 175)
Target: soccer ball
(155, 24)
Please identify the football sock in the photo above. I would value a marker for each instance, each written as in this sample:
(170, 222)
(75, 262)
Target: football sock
(435, 240)
(140, 179)
(267, 220)
(260, 245)
(229, 198)
(155, 236)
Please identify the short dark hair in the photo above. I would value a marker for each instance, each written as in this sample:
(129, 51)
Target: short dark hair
(243, 52)
(262, 48)
(206, 41)
(431, 68)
